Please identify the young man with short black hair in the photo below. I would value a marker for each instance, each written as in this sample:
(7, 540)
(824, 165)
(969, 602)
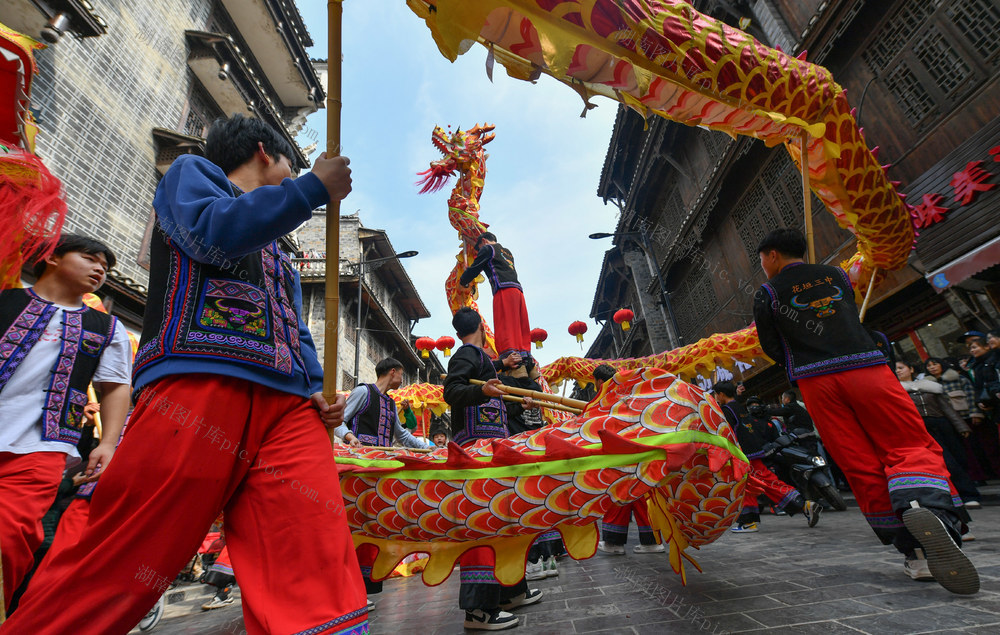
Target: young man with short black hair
(51, 348)
(808, 322)
(230, 414)
(477, 412)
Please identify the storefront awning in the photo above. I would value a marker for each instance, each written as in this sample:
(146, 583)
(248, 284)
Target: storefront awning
(965, 267)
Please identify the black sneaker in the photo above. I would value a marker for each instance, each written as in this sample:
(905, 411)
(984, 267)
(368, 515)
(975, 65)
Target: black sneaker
(524, 599)
(950, 567)
(495, 620)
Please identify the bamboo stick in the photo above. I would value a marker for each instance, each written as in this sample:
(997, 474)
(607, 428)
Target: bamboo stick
(536, 395)
(92, 397)
(807, 197)
(550, 406)
(335, 13)
(864, 304)
(393, 449)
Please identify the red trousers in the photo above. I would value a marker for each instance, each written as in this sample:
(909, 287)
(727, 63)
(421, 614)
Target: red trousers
(875, 434)
(763, 481)
(614, 529)
(71, 525)
(510, 322)
(198, 444)
(28, 486)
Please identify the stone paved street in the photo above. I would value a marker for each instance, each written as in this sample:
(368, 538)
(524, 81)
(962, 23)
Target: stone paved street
(787, 578)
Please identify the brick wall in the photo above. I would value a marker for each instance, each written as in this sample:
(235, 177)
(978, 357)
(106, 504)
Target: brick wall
(97, 101)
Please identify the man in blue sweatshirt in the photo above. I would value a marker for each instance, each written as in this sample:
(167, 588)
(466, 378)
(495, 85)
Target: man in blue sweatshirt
(229, 414)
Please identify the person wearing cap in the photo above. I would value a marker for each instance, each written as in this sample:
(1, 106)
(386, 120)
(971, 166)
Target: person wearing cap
(755, 445)
(808, 322)
(968, 335)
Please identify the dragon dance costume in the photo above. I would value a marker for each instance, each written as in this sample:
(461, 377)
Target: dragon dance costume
(223, 422)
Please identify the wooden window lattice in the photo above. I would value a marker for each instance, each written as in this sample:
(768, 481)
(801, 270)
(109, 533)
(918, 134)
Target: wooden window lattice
(979, 22)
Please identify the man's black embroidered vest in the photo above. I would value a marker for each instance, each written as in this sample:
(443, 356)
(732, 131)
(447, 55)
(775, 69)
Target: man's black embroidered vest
(234, 311)
(85, 335)
(373, 424)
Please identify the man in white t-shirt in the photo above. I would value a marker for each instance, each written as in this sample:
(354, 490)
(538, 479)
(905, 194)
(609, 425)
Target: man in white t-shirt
(52, 348)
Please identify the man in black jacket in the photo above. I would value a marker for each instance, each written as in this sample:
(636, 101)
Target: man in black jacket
(807, 321)
(477, 412)
(795, 415)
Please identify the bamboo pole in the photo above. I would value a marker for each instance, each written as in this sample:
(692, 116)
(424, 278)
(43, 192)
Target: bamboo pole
(868, 295)
(550, 406)
(392, 449)
(807, 197)
(536, 395)
(335, 11)
(3, 605)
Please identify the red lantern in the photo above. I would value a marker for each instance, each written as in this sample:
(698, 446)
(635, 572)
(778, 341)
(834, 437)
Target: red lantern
(624, 317)
(538, 336)
(425, 345)
(445, 344)
(578, 328)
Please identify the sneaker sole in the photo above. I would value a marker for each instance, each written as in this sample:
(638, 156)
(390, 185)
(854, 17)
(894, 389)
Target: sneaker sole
(479, 626)
(814, 519)
(551, 573)
(950, 567)
(536, 576)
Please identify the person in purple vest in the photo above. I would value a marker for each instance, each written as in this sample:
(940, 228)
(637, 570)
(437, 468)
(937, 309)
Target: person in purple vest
(477, 412)
(53, 346)
(371, 417)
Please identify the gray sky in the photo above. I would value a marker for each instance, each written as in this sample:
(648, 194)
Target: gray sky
(540, 194)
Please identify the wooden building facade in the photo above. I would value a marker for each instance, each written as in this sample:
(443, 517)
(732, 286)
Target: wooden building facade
(925, 79)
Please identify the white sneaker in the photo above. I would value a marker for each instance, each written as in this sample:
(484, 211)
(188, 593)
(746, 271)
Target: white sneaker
(551, 567)
(528, 597)
(535, 571)
(371, 605)
(968, 537)
(217, 603)
(618, 550)
(648, 549)
(917, 567)
(495, 620)
(972, 505)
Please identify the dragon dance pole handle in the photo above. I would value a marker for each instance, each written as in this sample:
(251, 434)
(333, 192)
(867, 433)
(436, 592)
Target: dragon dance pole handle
(335, 11)
(392, 449)
(536, 395)
(549, 405)
(807, 197)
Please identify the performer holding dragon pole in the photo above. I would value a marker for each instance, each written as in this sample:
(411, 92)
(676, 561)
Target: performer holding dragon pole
(477, 412)
(230, 413)
(510, 314)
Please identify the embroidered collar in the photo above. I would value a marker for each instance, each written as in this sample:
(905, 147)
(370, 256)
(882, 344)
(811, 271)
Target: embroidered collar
(32, 293)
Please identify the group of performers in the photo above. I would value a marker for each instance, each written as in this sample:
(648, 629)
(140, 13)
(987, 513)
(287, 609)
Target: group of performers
(229, 409)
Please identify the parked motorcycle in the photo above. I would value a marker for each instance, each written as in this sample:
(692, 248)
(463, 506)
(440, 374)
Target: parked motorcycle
(796, 459)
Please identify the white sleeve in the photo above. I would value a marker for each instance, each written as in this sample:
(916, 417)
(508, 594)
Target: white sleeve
(116, 361)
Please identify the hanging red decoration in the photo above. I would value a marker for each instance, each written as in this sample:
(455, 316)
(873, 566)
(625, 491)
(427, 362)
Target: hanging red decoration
(538, 336)
(624, 317)
(425, 345)
(578, 328)
(445, 344)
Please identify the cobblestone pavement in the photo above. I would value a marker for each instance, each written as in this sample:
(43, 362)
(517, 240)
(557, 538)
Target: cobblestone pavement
(835, 578)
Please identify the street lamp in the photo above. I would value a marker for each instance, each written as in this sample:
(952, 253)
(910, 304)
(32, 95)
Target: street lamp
(647, 249)
(360, 266)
